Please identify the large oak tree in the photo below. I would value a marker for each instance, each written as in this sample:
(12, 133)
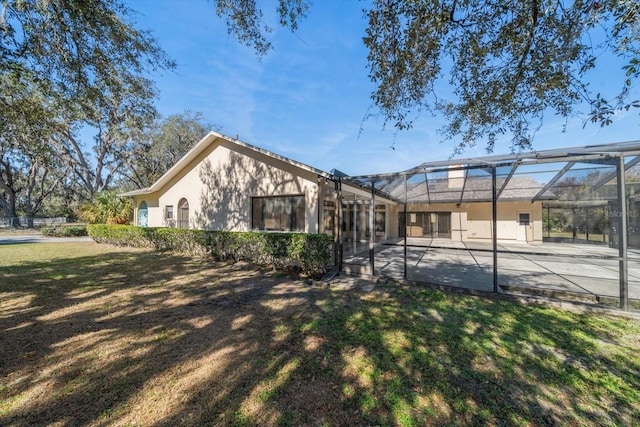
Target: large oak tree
(67, 66)
(161, 146)
(508, 63)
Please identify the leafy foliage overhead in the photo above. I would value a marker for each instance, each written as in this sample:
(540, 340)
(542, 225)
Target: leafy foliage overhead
(75, 48)
(244, 20)
(162, 145)
(507, 62)
(66, 65)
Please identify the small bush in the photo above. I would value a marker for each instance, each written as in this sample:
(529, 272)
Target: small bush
(64, 231)
(309, 252)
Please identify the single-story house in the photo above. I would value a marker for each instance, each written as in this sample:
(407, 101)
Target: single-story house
(226, 184)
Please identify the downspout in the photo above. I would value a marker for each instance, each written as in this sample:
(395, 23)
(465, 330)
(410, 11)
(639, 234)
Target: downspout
(320, 189)
(354, 231)
(336, 223)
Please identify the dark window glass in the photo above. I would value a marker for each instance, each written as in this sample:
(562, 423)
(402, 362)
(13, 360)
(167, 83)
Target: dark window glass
(425, 224)
(285, 213)
(328, 217)
(143, 215)
(183, 214)
(380, 222)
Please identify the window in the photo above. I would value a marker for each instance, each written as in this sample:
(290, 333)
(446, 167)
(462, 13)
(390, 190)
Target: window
(143, 215)
(285, 213)
(168, 215)
(328, 216)
(425, 224)
(381, 219)
(183, 213)
(347, 217)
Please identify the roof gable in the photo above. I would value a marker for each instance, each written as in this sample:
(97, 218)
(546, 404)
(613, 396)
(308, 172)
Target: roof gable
(205, 143)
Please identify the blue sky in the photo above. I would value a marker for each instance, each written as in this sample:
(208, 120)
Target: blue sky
(308, 98)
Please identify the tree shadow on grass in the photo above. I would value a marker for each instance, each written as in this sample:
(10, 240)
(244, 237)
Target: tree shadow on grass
(158, 339)
(428, 360)
(85, 341)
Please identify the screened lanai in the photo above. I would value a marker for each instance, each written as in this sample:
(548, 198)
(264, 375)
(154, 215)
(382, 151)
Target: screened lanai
(562, 222)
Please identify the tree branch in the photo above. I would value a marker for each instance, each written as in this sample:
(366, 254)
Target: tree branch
(527, 48)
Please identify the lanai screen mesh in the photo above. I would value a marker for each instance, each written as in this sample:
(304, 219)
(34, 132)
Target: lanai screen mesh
(557, 221)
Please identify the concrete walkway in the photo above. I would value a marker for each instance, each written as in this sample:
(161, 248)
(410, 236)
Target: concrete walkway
(563, 268)
(8, 239)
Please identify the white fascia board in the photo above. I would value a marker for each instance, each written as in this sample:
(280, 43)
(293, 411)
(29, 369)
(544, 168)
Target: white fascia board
(139, 192)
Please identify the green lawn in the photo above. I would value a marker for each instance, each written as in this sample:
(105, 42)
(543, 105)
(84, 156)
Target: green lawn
(94, 335)
(15, 231)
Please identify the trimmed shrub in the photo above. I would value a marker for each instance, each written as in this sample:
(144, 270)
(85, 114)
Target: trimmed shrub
(179, 240)
(121, 235)
(309, 252)
(64, 231)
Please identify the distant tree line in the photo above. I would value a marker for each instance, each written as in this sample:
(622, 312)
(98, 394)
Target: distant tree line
(583, 204)
(77, 113)
(57, 181)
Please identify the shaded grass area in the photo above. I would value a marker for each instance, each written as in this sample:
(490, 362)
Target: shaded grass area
(94, 335)
(7, 231)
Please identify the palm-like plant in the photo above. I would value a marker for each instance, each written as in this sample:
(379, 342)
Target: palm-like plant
(108, 208)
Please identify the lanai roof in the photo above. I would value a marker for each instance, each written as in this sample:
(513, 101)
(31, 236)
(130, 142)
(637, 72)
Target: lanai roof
(576, 173)
(474, 190)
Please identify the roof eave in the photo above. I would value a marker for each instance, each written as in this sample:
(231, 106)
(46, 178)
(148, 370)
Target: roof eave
(138, 192)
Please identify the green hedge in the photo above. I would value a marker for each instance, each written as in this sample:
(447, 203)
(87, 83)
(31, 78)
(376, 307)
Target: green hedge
(64, 231)
(309, 252)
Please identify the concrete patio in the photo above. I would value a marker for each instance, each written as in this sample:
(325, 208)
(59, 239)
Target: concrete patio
(560, 269)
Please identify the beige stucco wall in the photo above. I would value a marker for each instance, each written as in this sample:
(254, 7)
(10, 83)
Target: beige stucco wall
(479, 221)
(220, 183)
(472, 221)
(392, 220)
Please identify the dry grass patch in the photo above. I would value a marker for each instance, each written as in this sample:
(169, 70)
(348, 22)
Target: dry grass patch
(94, 335)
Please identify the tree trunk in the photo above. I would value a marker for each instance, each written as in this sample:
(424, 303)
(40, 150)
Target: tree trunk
(30, 215)
(9, 207)
(8, 202)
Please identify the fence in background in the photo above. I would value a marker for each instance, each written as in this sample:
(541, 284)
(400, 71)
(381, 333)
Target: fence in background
(30, 222)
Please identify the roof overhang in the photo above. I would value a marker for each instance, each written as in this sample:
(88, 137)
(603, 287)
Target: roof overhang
(139, 192)
(203, 145)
